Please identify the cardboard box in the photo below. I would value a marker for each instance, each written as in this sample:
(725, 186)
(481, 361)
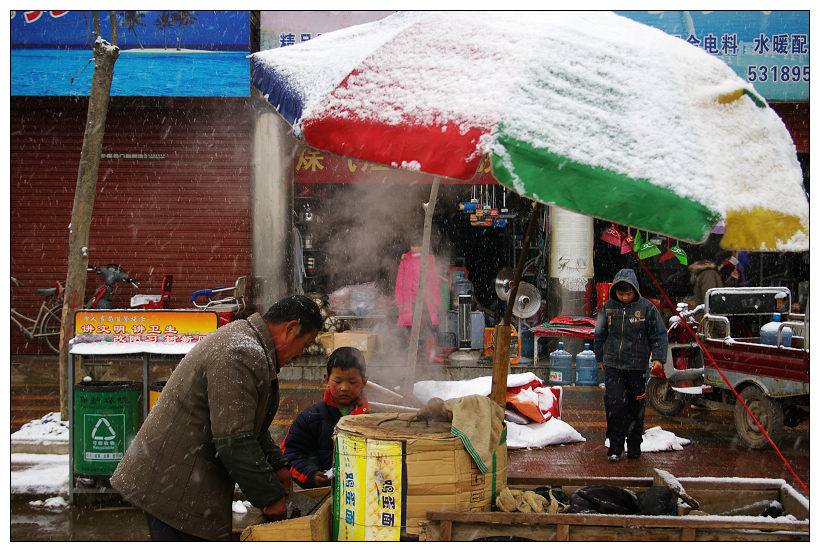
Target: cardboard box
(315, 527)
(366, 342)
(435, 471)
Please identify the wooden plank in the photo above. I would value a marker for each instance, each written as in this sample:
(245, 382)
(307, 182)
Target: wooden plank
(429, 531)
(715, 501)
(793, 502)
(446, 530)
(579, 481)
(469, 531)
(687, 534)
(562, 533)
(611, 520)
(464, 532)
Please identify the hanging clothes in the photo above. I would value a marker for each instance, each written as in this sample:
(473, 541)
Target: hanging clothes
(407, 283)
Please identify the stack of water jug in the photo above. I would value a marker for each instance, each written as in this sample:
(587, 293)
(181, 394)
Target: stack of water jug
(586, 367)
(768, 333)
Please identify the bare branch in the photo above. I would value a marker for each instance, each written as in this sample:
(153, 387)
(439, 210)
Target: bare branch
(113, 16)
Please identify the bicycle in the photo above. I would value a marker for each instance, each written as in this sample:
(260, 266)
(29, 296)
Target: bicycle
(47, 324)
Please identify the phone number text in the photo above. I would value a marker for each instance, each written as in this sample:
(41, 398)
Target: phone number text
(777, 73)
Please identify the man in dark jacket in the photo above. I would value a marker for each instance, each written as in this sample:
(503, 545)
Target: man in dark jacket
(209, 429)
(308, 445)
(628, 329)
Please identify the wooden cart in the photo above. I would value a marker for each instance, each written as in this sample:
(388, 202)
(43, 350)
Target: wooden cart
(715, 496)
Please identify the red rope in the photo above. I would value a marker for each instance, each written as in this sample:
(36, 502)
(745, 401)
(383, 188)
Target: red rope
(722, 375)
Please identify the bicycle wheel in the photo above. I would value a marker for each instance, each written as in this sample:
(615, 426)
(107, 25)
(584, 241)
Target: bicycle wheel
(51, 328)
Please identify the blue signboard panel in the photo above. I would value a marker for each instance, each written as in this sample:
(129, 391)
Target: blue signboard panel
(770, 49)
(162, 53)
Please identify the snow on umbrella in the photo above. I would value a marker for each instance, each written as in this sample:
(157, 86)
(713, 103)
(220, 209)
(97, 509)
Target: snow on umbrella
(589, 111)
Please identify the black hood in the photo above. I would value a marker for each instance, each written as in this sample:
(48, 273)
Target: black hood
(628, 275)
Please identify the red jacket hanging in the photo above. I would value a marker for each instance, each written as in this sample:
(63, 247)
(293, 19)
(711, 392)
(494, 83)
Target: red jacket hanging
(407, 283)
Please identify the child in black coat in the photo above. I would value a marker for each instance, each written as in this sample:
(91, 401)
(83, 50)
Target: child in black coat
(308, 445)
(629, 330)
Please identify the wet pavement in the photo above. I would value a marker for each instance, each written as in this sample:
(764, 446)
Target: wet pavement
(713, 452)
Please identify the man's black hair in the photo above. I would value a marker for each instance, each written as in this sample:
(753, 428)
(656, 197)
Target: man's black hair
(296, 307)
(346, 357)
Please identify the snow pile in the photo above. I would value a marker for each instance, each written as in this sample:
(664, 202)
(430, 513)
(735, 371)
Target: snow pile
(48, 430)
(53, 503)
(551, 432)
(426, 390)
(656, 439)
(39, 474)
(240, 506)
(111, 348)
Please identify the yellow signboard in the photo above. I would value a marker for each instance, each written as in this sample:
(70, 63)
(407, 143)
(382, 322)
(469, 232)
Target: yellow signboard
(368, 489)
(143, 326)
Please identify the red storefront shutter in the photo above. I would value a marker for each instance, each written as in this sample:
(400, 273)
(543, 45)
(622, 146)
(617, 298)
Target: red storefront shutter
(173, 196)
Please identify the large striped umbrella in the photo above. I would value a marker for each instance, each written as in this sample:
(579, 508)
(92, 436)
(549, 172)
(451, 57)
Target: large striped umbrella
(589, 111)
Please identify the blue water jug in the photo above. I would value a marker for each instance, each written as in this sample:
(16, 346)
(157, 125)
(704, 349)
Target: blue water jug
(768, 333)
(586, 368)
(560, 366)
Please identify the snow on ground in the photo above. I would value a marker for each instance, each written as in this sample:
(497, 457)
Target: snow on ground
(55, 503)
(656, 439)
(49, 429)
(39, 474)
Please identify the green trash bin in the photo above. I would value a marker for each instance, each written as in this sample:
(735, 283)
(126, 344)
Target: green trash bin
(106, 420)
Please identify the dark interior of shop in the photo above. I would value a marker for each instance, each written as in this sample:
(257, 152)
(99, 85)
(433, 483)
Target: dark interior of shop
(357, 233)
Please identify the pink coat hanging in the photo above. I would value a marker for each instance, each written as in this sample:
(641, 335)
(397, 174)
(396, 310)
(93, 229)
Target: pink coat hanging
(407, 283)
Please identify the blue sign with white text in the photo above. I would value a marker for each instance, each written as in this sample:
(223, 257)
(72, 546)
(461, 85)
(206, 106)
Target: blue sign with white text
(770, 49)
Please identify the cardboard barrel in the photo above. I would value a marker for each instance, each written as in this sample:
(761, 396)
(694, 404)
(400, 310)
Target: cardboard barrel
(389, 472)
(106, 420)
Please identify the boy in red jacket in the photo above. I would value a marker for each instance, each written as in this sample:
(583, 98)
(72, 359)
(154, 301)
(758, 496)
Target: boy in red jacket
(308, 445)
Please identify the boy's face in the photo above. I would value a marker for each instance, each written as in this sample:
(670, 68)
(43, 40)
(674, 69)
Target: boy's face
(625, 296)
(345, 385)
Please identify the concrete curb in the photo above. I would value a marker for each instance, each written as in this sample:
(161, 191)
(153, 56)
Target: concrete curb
(38, 447)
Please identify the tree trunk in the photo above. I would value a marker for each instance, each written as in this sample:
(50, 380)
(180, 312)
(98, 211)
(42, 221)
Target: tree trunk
(503, 331)
(104, 57)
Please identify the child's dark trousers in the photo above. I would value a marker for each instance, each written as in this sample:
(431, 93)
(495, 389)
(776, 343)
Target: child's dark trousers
(625, 405)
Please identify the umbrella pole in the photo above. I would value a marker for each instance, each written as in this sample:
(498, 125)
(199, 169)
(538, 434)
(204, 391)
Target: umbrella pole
(501, 356)
(412, 348)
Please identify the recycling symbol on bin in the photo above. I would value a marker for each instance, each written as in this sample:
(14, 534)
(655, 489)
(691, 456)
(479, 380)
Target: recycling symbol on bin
(111, 432)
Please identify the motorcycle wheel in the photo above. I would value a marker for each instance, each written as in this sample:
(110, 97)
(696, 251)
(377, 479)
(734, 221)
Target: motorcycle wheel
(768, 411)
(663, 399)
